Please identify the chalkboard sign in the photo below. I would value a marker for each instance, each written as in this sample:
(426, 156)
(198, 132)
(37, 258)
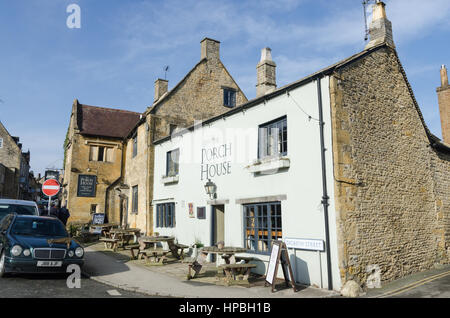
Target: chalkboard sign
(279, 256)
(98, 218)
(86, 185)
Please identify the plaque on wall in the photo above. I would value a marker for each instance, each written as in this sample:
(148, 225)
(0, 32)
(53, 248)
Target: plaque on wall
(191, 210)
(201, 212)
(86, 185)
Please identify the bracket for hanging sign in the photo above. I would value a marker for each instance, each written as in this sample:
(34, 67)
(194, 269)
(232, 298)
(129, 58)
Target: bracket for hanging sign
(279, 256)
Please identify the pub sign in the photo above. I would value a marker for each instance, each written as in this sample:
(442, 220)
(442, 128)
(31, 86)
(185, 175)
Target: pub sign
(86, 185)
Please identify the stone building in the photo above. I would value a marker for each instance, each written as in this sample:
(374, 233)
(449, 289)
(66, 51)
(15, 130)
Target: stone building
(206, 90)
(350, 139)
(16, 166)
(93, 157)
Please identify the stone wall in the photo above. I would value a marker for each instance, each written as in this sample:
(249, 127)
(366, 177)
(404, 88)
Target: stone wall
(136, 175)
(198, 96)
(10, 157)
(391, 187)
(78, 163)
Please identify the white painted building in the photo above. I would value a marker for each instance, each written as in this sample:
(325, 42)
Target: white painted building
(269, 185)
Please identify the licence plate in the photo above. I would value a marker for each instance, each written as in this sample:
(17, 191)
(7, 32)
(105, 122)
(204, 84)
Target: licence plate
(49, 263)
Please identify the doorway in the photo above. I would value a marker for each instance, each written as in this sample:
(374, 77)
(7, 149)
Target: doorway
(217, 226)
(218, 223)
(124, 212)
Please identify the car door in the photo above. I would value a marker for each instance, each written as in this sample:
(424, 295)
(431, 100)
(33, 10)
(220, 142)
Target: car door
(4, 225)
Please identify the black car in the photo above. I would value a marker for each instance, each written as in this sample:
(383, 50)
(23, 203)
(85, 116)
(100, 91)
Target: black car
(36, 244)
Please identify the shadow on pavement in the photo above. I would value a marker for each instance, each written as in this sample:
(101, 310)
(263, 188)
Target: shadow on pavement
(101, 263)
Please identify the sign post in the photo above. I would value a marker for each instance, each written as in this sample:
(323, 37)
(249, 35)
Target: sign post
(50, 188)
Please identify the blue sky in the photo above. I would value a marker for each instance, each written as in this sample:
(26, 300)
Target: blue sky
(123, 46)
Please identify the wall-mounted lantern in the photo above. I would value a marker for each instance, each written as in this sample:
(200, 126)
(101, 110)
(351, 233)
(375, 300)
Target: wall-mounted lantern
(211, 188)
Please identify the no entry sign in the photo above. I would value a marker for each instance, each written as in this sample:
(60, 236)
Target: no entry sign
(50, 187)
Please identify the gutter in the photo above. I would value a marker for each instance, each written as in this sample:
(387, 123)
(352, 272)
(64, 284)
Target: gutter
(325, 196)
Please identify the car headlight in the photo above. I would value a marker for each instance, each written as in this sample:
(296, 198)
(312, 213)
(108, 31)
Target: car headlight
(16, 250)
(26, 252)
(70, 253)
(79, 251)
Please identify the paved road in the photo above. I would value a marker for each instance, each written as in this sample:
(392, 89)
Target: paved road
(55, 286)
(438, 287)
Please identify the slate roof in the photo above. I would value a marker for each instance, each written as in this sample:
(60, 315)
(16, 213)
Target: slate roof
(105, 122)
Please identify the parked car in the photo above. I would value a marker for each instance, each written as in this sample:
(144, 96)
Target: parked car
(8, 206)
(36, 244)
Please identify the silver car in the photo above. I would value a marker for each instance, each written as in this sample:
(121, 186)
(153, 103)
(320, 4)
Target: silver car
(8, 206)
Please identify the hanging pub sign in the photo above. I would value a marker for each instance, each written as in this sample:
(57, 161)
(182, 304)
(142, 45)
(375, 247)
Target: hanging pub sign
(279, 256)
(86, 185)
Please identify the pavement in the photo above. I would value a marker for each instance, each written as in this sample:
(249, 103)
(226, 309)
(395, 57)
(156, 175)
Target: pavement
(117, 270)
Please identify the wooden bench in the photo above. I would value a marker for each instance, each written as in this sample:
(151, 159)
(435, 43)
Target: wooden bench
(237, 272)
(180, 250)
(177, 249)
(244, 258)
(132, 248)
(110, 244)
(153, 256)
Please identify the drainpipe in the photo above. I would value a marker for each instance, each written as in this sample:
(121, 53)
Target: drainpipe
(325, 197)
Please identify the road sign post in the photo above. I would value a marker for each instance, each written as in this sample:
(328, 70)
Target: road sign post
(50, 188)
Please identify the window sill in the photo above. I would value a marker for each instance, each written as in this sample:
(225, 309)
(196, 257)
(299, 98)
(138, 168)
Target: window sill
(170, 179)
(269, 165)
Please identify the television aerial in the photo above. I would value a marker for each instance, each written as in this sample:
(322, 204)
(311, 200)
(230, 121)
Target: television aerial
(166, 69)
(365, 4)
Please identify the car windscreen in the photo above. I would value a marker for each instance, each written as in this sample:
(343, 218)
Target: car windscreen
(6, 208)
(38, 227)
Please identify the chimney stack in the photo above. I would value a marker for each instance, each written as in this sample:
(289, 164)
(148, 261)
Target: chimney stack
(209, 49)
(161, 87)
(444, 105)
(380, 29)
(265, 73)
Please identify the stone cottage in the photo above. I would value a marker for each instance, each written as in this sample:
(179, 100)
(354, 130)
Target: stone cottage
(93, 157)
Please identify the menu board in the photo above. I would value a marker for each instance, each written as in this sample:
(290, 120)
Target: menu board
(272, 263)
(86, 185)
(98, 218)
(279, 256)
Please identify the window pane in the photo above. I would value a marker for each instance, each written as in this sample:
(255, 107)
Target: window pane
(101, 152)
(262, 225)
(273, 139)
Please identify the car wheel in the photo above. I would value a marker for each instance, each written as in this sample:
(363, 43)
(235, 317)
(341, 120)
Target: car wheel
(2, 264)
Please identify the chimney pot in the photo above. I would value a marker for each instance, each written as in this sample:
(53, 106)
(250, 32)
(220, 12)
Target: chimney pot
(380, 29)
(265, 73)
(444, 77)
(443, 93)
(210, 49)
(161, 87)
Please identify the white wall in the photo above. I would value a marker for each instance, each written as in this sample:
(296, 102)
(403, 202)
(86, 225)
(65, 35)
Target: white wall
(302, 213)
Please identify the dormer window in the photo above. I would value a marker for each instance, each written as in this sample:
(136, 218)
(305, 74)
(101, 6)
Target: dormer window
(229, 97)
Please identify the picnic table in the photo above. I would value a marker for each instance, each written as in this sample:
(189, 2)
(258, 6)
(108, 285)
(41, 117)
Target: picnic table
(148, 248)
(106, 228)
(234, 271)
(176, 249)
(125, 233)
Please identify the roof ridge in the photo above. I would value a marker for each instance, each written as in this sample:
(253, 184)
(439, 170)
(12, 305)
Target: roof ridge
(111, 109)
